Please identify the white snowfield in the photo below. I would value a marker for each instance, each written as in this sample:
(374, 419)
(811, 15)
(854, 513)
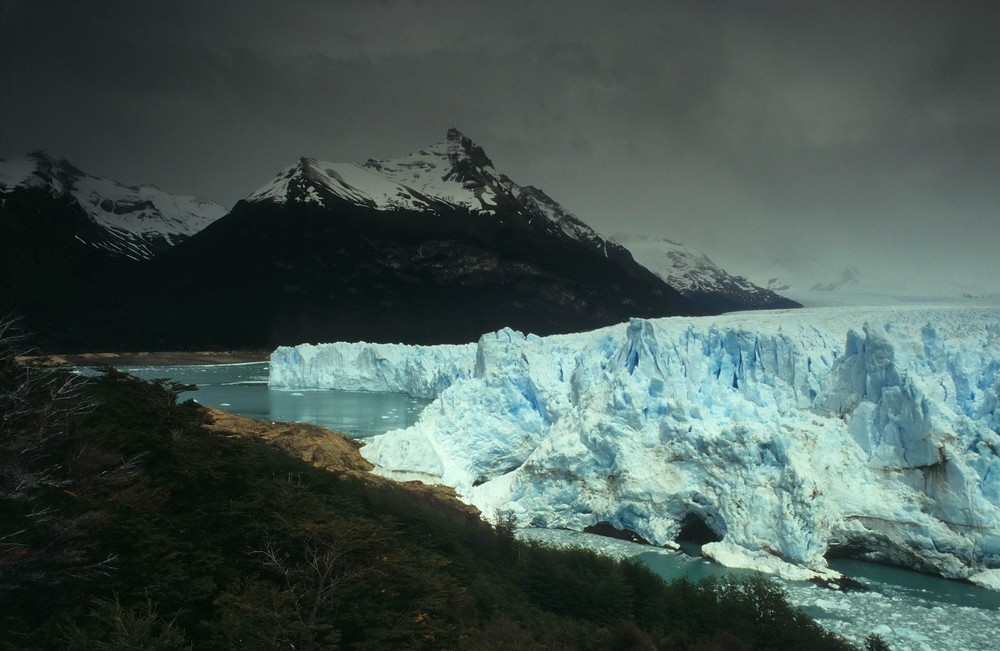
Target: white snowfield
(681, 267)
(413, 182)
(791, 434)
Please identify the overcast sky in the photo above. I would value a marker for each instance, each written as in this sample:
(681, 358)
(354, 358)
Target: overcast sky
(869, 130)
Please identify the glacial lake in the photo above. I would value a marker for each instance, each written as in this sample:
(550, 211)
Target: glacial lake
(242, 389)
(912, 611)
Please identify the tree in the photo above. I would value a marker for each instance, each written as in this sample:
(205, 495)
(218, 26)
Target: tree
(875, 642)
(307, 575)
(505, 527)
(116, 628)
(36, 405)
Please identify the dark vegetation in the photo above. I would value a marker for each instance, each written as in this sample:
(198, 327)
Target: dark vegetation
(124, 524)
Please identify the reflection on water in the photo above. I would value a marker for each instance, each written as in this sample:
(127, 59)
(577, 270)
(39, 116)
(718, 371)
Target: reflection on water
(242, 389)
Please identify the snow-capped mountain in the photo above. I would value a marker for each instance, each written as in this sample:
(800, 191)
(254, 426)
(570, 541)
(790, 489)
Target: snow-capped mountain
(133, 222)
(454, 174)
(433, 247)
(790, 435)
(818, 280)
(695, 276)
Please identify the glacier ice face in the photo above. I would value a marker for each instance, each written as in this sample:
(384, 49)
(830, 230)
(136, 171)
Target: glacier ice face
(869, 432)
(421, 371)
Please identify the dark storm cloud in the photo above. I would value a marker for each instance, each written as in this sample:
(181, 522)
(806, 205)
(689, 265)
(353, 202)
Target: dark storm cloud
(740, 128)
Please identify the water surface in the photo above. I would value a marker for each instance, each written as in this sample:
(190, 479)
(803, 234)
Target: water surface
(242, 389)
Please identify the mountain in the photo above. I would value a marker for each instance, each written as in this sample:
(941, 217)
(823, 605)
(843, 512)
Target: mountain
(455, 175)
(816, 279)
(132, 222)
(785, 437)
(70, 245)
(696, 277)
(433, 247)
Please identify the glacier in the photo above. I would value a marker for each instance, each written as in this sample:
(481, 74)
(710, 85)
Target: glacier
(793, 435)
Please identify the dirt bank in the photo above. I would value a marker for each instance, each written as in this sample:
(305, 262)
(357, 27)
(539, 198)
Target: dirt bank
(331, 451)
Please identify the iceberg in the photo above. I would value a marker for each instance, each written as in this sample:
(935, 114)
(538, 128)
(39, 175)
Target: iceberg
(792, 435)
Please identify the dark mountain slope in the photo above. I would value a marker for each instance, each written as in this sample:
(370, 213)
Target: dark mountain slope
(277, 274)
(47, 272)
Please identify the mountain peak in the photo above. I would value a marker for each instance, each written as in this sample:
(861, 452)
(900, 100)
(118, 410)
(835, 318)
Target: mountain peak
(134, 222)
(462, 146)
(456, 172)
(39, 169)
(695, 276)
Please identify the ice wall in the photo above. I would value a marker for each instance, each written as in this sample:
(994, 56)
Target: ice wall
(869, 432)
(421, 371)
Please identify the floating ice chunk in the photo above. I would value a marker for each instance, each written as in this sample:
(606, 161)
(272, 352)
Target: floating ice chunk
(987, 579)
(732, 555)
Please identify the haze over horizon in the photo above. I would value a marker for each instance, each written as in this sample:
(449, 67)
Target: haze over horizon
(855, 132)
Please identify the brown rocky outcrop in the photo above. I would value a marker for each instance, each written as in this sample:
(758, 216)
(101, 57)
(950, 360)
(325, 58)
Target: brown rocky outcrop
(332, 451)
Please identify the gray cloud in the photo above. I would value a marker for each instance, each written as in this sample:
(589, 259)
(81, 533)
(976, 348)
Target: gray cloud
(867, 130)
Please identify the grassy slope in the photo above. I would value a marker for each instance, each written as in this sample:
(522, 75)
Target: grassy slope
(154, 529)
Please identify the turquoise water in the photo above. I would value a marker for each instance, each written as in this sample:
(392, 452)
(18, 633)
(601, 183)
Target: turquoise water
(675, 566)
(888, 580)
(933, 589)
(910, 610)
(242, 389)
